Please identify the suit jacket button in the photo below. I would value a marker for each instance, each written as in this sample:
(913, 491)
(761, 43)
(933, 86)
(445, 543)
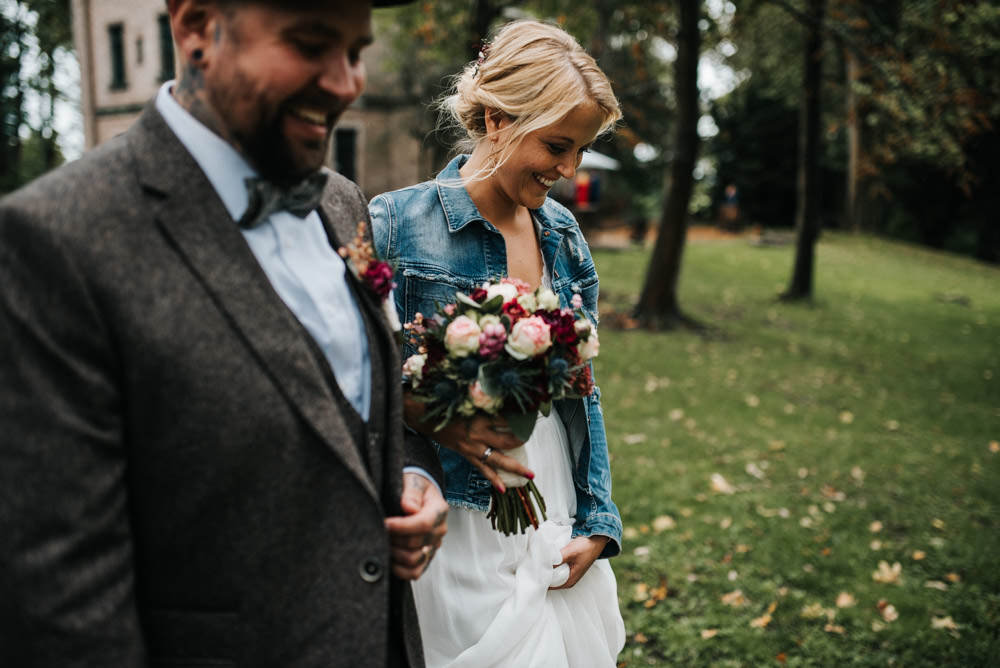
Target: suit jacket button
(371, 570)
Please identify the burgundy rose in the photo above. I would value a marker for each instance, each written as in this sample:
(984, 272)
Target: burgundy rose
(378, 277)
(583, 383)
(478, 295)
(513, 310)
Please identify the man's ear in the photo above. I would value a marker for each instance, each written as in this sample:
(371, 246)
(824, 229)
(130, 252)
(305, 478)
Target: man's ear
(194, 24)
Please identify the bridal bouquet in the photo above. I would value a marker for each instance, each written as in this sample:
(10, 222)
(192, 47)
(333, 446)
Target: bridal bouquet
(502, 350)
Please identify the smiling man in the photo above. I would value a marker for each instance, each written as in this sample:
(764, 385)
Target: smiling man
(202, 459)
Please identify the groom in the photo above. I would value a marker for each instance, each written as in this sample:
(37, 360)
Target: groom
(201, 453)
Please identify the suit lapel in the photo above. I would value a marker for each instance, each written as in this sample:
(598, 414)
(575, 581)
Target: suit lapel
(193, 217)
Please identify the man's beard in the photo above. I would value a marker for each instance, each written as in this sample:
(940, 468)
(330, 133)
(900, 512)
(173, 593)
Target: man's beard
(272, 155)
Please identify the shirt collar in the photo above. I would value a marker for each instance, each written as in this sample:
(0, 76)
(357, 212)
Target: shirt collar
(460, 210)
(224, 167)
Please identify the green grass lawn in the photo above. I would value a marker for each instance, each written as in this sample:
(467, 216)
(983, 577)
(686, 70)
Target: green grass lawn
(857, 429)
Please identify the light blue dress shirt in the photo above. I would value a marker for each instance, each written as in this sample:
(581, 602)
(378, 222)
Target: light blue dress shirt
(294, 252)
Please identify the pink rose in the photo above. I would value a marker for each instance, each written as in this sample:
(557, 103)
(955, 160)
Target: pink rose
(529, 337)
(482, 400)
(462, 336)
(577, 301)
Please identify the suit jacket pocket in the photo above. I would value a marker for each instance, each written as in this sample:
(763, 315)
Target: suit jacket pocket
(192, 638)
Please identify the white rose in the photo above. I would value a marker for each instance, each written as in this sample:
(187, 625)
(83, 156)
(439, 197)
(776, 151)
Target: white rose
(582, 327)
(488, 319)
(462, 336)
(589, 348)
(413, 367)
(507, 290)
(548, 300)
(528, 303)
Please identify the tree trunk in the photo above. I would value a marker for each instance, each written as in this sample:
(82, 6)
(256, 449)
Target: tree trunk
(807, 207)
(658, 307)
(852, 205)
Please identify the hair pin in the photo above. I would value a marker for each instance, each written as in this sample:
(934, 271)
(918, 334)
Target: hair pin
(484, 50)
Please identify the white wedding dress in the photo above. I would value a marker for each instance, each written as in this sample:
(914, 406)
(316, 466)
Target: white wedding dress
(485, 600)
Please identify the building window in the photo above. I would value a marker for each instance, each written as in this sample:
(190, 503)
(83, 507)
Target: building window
(138, 50)
(166, 49)
(116, 40)
(345, 152)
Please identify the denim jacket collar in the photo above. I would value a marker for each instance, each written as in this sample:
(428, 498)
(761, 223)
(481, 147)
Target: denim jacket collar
(460, 210)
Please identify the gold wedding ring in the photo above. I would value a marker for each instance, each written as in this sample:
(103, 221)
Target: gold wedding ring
(486, 454)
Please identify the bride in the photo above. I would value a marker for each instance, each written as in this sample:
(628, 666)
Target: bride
(531, 105)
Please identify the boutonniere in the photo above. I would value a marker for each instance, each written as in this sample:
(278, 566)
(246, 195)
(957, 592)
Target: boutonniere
(375, 274)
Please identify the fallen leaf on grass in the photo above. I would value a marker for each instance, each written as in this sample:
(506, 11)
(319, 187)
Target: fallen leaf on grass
(640, 638)
(858, 473)
(734, 598)
(994, 446)
(709, 633)
(875, 526)
(754, 470)
(765, 619)
(875, 545)
(657, 594)
(936, 584)
(725, 523)
(845, 600)
(664, 523)
(742, 549)
(633, 439)
(938, 524)
(946, 623)
(887, 610)
(629, 533)
(834, 628)
(817, 611)
(847, 417)
(752, 400)
(953, 578)
(887, 574)
(919, 555)
(641, 592)
(721, 485)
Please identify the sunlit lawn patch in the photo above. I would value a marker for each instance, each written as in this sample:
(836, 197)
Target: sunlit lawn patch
(816, 484)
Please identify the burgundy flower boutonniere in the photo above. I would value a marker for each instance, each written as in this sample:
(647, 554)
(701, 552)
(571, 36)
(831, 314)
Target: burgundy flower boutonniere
(375, 274)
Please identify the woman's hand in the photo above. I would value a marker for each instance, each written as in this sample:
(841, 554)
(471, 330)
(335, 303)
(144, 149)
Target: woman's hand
(579, 554)
(480, 439)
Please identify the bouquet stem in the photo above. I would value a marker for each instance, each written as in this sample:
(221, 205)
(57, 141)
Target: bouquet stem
(516, 509)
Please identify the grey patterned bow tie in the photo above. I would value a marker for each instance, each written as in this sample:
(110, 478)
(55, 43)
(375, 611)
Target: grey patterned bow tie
(267, 198)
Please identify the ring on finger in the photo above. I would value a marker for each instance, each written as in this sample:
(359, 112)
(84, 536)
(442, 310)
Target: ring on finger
(486, 454)
(425, 554)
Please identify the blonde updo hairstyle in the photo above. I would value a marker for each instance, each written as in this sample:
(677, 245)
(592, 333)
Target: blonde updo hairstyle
(534, 73)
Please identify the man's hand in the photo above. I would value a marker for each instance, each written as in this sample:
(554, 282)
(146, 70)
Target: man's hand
(579, 554)
(480, 439)
(416, 536)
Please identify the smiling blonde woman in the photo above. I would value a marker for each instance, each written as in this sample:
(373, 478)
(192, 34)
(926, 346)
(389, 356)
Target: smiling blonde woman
(530, 106)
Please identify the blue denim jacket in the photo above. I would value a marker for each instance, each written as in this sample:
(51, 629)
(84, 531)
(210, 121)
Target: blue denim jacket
(439, 243)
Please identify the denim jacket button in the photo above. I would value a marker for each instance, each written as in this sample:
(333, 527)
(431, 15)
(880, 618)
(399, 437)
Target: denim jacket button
(545, 233)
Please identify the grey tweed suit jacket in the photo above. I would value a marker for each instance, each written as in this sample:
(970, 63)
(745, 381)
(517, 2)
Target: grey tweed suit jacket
(178, 485)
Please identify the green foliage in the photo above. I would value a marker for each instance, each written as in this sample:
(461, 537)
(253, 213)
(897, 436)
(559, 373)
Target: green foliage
(878, 403)
(30, 30)
(432, 41)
